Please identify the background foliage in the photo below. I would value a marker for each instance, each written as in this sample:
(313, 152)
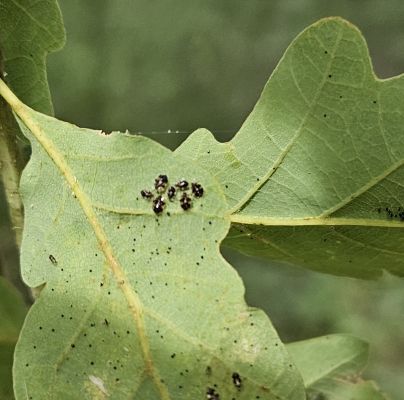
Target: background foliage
(153, 66)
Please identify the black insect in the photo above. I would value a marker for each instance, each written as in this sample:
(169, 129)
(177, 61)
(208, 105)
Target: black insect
(171, 192)
(146, 194)
(182, 184)
(160, 183)
(52, 259)
(319, 396)
(197, 189)
(211, 394)
(236, 380)
(158, 204)
(163, 178)
(185, 202)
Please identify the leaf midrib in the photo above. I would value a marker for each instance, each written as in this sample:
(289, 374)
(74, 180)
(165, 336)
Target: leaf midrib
(326, 218)
(315, 221)
(134, 302)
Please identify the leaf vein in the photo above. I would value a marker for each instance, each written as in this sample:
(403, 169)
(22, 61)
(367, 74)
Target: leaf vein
(293, 140)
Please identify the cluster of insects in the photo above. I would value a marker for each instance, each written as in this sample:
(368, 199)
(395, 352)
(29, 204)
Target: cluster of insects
(393, 213)
(162, 188)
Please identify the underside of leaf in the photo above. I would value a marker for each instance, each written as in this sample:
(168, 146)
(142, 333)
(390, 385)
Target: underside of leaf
(136, 304)
(331, 367)
(315, 175)
(29, 30)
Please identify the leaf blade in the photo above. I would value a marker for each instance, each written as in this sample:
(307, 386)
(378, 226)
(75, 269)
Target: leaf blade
(87, 302)
(322, 147)
(331, 367)
(24, 58)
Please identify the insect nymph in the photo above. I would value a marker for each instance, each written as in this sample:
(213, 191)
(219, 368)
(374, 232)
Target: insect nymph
(197, 189)
(158, 204)
(182, 184)
(146, 194)
(185, 202)
(160, 183)
(171, 192)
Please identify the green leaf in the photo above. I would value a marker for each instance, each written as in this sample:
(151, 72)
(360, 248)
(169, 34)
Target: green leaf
(29, 30)
(314, 176)
(135, 304)
(12, 313)
(331, 367)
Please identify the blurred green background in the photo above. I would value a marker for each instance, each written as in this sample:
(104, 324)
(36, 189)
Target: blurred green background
(156, 66)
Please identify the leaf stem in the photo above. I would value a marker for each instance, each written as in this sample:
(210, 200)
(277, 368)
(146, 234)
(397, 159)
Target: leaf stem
(11, 166)
(12, 163)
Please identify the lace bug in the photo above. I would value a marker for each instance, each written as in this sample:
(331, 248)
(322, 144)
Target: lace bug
(236, 380)
(182, 184)
(197, 189)
(171, 192)
(146, 194)
(185, 202)
(160, 183)
(211, 394)
(158, 205)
